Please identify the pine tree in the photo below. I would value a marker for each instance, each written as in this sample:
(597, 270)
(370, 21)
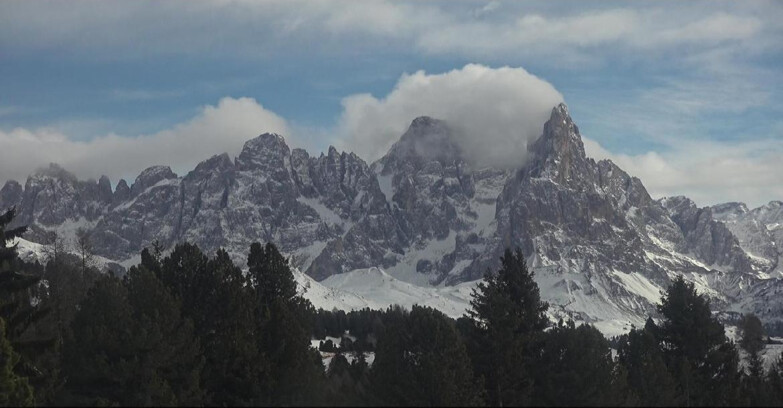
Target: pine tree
(55, 247)
(17, 308)
(347, 383)
(236, 370)
(67, 286)
(576, 368)
(752, 334)
(270, 274)
(774, 383)
(167, 348)
(509, 319)
(97, 360)
(648, 377)
(696, 349)
(296, 371)
(14, 390)
(421, 361)
(84, 249)
(224, 306)
(14, 286)
(185, 273)
(131, 346)
(752, 342)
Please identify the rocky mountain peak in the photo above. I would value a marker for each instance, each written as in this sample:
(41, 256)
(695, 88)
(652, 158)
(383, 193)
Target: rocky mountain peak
(425, 122)
(217, 163)
(54, 171)
(559, 153)
(100, 191)
(10, 194)
(729, 211)
(770, 213)
(427, 139)
(267, 152)
(121, 192)
(600, 246)
(677, 204)
(264, 142)
(151, 176)
(104, 182)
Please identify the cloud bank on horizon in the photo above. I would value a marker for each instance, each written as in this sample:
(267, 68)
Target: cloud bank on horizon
(684, 98)
(505, 110)
(494, 112)
(216, 129)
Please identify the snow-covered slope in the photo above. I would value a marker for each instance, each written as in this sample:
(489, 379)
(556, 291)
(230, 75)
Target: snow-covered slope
(31, 252)
(375, 289)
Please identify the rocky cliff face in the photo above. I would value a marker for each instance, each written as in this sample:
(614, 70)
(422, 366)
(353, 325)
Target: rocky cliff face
(601, 247)
(759, 233)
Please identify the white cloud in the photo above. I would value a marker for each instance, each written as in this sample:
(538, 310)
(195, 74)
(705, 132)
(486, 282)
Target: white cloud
(391, 19)
(486, 9)
(713, 28)
(708, 172)
(505, 109)
(724, 94)
(495, 112)
(528, 32)
(252, 29)
(221, 128)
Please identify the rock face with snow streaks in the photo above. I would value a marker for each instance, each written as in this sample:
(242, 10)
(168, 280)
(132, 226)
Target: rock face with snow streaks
(601, 247)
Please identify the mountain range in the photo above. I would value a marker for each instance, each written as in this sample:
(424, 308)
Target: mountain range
(427, 219)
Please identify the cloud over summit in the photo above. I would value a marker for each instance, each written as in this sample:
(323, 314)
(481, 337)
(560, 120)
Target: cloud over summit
(495, 112)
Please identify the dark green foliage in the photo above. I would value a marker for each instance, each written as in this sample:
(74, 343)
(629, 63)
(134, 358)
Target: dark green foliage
(648, 378)
(187, 329)
(97, 362)
(172, 350)
(347, 383)
(185, 273)
(131, 346)
(67, 286)
(698, 354)
(270, 274)
(576, 368)
(15, 287)
(20, 307)
(752, 333)
(254, 328)
(327, 346)
(296, 369)
(217, 297)
(235, 370)
(509, 318)
(14, 390)
(774, 384)
(363, 324)
(420, 361)
(285, 329)
(754, 389)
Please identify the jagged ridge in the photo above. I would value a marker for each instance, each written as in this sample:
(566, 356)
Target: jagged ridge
(601, 246)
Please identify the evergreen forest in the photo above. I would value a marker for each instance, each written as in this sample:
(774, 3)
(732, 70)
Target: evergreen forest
(194, 329)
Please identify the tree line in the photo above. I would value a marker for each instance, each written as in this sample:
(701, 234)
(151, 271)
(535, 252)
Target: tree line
(190, 329)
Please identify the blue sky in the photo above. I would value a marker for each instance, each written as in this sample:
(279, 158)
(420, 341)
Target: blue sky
(685, 95)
